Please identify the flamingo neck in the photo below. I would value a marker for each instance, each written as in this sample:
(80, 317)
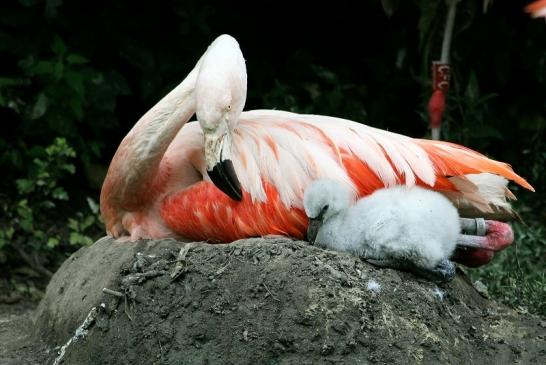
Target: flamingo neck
(135, 164)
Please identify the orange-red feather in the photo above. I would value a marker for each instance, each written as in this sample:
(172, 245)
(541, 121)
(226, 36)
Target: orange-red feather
(202, 212)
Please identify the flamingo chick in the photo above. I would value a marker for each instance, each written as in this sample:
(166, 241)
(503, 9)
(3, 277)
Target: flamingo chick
(408, 228)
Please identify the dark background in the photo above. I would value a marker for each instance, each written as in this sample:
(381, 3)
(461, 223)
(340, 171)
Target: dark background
(362, 64)
(86, 71)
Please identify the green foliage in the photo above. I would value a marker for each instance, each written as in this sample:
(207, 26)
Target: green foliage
(57, 93)
(468, 117)
(30, 231)
(324, 93)
(517, 275)
(49, 91)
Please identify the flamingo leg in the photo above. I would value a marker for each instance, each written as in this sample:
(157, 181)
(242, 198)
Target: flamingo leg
(486, 237)
(472, 257)
(489, 235)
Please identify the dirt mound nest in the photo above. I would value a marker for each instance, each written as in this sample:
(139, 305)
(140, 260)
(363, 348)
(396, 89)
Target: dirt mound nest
(267, 301)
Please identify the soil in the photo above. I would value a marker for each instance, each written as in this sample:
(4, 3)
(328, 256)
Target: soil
(259, 301)
(17, 345)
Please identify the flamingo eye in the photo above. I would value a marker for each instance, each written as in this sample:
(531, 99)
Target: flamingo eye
(228, 107)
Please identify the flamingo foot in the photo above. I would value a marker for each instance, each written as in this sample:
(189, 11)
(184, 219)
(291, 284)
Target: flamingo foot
(479, 249)
(124, 239)
(472, 257)
(490, 235)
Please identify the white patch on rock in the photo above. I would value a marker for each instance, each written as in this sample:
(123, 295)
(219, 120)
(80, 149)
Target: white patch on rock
(374, 286)
(80, 333)
(438, 293)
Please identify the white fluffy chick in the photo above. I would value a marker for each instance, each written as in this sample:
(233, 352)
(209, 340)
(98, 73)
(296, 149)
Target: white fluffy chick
(401, 224)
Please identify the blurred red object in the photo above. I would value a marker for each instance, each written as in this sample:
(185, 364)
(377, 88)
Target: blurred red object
(537, 9)
(436, 108)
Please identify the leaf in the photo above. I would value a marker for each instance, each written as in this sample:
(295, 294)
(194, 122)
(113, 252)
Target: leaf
(26, 219)
(75, 59)
(40, 107)
(472, 89)
(73, 224)
(51, 7)
(325, 74)
(96, 147)
(24, 186)
(428, 20)
(6, 235)
(52, 242)
(87, 222)
(77, 107)
(59, 193)
(79, 239)
(70, 168)
(58, 46)
(482, 131)
(48, 204)
(41, 68)
(93, 205)
(58, 70)
(13, 81)
(9, 232)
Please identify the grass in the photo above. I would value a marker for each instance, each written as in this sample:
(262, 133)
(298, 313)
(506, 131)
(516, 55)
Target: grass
(517, 275)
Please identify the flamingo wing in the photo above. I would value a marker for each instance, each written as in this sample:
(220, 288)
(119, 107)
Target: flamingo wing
(278, 154)
(289, 150)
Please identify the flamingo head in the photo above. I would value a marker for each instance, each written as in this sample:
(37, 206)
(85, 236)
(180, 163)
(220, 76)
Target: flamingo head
(322, 200)
(220, 93)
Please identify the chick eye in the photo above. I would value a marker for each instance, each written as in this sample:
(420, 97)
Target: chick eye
(228, 107)
(323, 210)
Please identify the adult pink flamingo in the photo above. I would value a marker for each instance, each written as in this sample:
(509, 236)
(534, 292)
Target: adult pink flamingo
(240, 174)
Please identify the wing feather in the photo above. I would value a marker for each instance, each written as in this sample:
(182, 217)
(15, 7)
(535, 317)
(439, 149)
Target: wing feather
(289, 150)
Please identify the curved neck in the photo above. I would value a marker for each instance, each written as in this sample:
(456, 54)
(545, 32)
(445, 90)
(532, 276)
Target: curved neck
(135, 164)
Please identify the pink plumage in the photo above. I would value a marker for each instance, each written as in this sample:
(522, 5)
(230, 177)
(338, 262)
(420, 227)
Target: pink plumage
(158, 183)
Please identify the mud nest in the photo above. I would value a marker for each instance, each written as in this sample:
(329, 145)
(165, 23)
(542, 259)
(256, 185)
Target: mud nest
(267, 301)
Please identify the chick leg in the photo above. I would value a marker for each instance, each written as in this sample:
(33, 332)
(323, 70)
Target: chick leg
(443, 272)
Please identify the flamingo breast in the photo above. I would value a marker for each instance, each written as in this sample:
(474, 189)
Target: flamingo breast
(202, 212)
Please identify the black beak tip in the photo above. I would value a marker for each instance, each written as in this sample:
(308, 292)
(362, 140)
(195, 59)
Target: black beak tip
(224, 177)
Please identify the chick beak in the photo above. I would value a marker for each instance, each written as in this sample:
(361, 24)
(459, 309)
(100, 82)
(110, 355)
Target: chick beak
(312, 229)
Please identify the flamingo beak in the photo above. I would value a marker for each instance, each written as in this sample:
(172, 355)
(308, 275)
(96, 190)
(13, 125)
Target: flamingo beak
(219, 165)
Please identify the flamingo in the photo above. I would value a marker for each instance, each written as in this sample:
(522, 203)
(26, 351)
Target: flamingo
(235, 174)
(401, 227)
